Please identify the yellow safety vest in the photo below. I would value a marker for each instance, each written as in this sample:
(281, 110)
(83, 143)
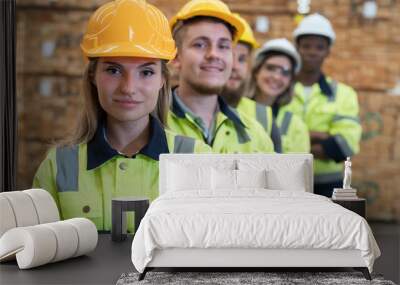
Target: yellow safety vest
(84, 178)
(263, 114)
(235, 132)
(331, 107)
(293, 131)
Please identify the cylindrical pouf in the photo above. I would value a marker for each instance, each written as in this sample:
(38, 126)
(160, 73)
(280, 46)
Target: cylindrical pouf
(23, 208)
(87, 234)
(33, 246)
(67, 240)
(37, 245)
(7, 218)
(45, 205)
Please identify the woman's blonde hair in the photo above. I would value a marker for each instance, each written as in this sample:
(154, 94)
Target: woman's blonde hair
(92, 112)
(252, 89)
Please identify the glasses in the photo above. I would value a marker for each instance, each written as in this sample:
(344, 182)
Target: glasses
(277, 69)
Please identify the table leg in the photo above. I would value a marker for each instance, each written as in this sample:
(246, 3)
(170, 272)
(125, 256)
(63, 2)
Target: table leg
(118, 219)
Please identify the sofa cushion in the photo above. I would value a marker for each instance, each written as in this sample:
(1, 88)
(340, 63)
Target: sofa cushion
(231, 180)
(223, 179)
(251, 178)
(281, 174)
(182, 177)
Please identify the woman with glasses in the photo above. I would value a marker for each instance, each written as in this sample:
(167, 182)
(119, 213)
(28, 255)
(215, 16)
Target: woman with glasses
(271, 84)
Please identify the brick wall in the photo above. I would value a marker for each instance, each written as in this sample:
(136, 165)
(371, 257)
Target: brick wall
(365, 56)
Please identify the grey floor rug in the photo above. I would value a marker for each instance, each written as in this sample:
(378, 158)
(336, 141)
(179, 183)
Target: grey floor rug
(273, 278)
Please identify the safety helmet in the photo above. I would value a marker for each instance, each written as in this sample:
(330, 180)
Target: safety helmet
(247, 36)
(128, 28)
(315, 24)
(283, 46)
(210, 8)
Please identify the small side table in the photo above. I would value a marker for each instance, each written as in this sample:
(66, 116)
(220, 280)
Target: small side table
(357, 205)
(120, 206)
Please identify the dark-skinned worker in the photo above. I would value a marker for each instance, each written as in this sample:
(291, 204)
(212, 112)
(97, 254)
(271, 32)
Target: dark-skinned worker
(329, 108)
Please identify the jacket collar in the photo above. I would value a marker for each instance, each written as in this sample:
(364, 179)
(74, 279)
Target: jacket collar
(99, 150)
(325, 86)
(179, 110)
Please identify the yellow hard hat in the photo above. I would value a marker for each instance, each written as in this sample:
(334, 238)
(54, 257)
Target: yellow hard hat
(247, 36)
(128, 28)
(210, 8)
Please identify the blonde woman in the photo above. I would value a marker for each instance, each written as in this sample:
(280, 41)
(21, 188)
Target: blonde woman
(271, 84)
(120, 134)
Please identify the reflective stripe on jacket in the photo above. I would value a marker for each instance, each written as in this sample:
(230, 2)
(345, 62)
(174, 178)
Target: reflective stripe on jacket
(294, 132)
(235, 132)
(80, 192)
(263, 115)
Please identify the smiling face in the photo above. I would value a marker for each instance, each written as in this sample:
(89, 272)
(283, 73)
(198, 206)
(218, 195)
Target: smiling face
(128, 87)
(204, 58)
(240, 68)
(274, 75)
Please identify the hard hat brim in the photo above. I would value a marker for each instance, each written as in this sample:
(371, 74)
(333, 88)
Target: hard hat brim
(127, 50)
(230, 19)
(331, 38)
(253, 44)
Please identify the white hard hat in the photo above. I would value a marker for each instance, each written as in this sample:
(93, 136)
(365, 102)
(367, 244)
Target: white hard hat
(283, 46)
(315, 24)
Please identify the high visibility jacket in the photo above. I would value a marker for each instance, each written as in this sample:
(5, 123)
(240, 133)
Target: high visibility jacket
(235, 132)
(263, 114)
(331, 107)
(293, 131)
(84, 178)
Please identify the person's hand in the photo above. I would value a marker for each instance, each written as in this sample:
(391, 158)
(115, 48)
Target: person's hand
(318, 151)
(316, 147)
(316, 137)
